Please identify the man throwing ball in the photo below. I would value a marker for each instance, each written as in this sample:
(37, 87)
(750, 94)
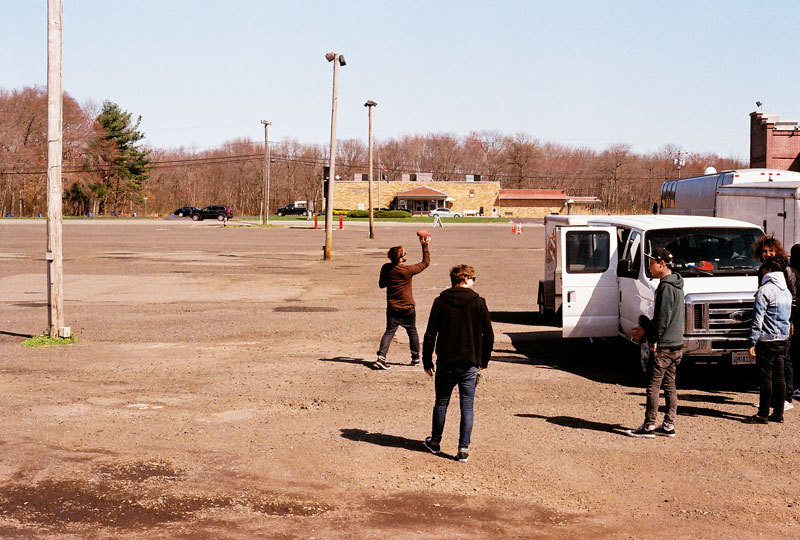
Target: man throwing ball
(400, 308)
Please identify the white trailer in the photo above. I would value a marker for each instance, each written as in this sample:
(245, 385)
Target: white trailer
(597, 283)
(774, 206)
(696, 196)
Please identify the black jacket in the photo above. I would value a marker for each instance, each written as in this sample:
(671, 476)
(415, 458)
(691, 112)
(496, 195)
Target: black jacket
(460, 328)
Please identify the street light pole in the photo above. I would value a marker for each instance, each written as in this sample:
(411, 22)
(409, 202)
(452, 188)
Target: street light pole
(369, 105)
(680, 162)
(265, 204)
(337, 60)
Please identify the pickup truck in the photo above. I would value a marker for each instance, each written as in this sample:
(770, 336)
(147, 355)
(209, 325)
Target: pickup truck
(597, 283)
(292, 209)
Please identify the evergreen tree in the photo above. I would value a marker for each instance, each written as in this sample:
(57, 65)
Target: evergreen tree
(129, 165)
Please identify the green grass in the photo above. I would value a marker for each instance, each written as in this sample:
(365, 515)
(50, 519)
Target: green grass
(415, 219)
(46, 341)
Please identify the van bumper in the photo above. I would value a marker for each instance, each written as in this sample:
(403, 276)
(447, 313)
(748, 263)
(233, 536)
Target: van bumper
(713, 346)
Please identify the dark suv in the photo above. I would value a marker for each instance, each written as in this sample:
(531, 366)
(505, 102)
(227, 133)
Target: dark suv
(292, 210)
(215, 211)
(186, 211)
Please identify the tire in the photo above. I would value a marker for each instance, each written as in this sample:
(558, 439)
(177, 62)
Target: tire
(280, 214)
(220, 217)
(306, 213)
(642, 358)
(195, 217)
(180, 214)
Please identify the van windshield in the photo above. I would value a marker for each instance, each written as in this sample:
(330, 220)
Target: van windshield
(707, 251)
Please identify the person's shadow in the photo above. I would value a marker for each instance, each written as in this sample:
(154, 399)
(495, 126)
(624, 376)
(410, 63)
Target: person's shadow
(349, 360)
(579, 423)
(394, 441)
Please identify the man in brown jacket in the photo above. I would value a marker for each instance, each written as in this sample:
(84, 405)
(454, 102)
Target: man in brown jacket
(400, 308)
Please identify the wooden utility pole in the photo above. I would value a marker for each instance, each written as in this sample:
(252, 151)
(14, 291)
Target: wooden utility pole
(265, 204)
(337, 60)
(53, 255)
(369, 105)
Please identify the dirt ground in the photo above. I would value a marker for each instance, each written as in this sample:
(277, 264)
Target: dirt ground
(222, 388)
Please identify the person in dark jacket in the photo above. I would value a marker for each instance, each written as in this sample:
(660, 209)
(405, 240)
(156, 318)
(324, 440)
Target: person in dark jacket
(400, 307)
(665, 335)
(460, 330)
(794, 348)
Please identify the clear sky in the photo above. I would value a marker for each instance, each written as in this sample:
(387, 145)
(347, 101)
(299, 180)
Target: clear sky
(579, 73)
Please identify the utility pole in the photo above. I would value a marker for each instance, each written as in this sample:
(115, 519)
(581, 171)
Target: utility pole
(337, 60)
(53, 255)
(369, 105)
(265, 204)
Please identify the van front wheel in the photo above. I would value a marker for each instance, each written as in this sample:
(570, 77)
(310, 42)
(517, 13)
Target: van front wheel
(643, 356)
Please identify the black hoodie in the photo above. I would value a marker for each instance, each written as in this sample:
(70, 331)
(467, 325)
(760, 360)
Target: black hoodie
(460, 328)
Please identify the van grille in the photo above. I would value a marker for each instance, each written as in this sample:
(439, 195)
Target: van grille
(730, 318)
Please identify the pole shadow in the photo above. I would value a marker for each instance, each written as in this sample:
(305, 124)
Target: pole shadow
(392, 441)
(15, 334)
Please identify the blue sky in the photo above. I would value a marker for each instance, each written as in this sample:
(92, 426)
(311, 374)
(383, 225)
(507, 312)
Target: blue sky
(579, 73)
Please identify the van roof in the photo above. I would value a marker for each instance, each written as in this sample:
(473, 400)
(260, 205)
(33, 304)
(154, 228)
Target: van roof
(650, 221)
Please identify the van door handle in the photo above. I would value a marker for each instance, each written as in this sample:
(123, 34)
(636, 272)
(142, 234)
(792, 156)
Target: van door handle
(570, 296)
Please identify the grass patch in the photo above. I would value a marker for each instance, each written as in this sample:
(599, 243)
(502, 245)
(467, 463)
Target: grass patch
(46, 341)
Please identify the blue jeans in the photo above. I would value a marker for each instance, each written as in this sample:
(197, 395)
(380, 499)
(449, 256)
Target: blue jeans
(446, 380)
(407, 320)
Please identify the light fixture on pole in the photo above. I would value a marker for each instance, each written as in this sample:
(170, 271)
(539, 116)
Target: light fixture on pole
(679, 162)
(338, 60)
(369, 105)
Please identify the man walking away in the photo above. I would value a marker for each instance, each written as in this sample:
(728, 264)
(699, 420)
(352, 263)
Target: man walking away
(665, 335)
(400, 308)
(460, 330)
(769, 340)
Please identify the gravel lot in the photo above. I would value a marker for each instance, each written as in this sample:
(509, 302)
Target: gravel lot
(222, 388)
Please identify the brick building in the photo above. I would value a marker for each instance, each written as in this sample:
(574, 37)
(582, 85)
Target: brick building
(774, 143)
(468, 198)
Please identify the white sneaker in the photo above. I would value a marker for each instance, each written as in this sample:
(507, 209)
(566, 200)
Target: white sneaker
(788, 406)
(796, 393)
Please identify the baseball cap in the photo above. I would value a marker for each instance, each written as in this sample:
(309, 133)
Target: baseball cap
(661, 254)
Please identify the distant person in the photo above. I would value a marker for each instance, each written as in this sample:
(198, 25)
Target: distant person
(400, 307)
(665, 335)
(460, 330)
(766, 247)
(769, 340)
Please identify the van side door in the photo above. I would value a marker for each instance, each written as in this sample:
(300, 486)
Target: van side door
(586, 281)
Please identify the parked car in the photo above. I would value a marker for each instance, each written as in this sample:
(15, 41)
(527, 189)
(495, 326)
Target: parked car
(215, 211)
(444, 212)
(292, 209)
(186, 211)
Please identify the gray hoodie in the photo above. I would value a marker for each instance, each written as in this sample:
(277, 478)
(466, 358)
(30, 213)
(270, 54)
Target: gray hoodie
(666, 329)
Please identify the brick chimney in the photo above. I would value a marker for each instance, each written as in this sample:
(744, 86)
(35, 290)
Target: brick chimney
(774, 143)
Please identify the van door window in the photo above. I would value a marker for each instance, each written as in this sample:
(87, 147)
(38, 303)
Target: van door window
(587, 252)
(631, 257)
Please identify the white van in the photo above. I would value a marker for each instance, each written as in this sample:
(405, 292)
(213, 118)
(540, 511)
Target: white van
(597, 283)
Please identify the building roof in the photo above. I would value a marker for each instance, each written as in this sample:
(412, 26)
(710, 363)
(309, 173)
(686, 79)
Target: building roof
(422, 192)
(533, 194)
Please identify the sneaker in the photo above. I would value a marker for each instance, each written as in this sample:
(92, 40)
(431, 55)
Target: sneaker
(415, 361)
(787, 406)
(643, 431)
(380, 363)
(430, 445)
(796, 393)
(776, 419)
(756, 419)
(664, 432)
(462, 457)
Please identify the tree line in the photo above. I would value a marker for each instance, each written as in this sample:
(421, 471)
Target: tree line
(106, 169)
